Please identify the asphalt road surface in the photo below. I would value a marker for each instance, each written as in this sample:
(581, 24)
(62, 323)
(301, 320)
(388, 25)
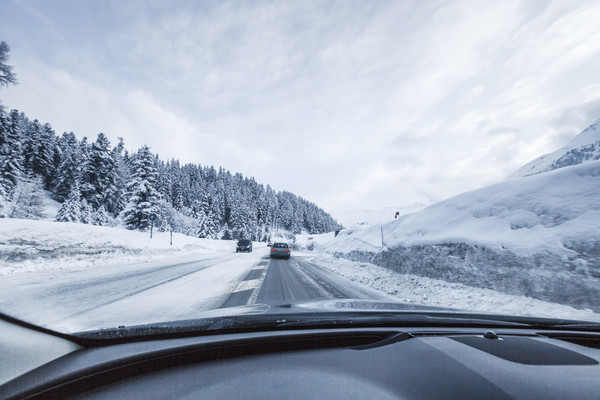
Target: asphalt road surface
(287, 281)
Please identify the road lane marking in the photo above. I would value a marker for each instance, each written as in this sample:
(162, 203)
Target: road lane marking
(247, 285)
(254, 295)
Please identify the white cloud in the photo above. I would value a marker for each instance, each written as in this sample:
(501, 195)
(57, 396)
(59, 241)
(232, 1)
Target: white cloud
(350, 104)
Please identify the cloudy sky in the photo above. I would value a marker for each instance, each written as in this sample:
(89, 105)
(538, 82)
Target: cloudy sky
(350, 104)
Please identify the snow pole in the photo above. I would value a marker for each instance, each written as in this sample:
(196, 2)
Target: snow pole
(171, 237)
(152, 217)
(382, 245)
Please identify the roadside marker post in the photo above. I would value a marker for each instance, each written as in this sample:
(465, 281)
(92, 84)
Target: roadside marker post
(152, 217)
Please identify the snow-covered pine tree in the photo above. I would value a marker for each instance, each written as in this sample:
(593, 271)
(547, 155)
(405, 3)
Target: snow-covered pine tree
(240, 222)
(98, 179)
(144, 197)
(3, 202)
(123, 176)
(226, 234)
(86, 212)
(163, 180)
(210, 224)
(38, 150)
(68, 171)
(201, 231)
(11, 158)
(100, 217)
(70, 210)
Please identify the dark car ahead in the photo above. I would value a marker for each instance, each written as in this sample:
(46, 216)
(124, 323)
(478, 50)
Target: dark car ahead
(243, 245)
(280, 250)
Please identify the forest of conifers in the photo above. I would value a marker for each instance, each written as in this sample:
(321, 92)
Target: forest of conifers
(103, 184)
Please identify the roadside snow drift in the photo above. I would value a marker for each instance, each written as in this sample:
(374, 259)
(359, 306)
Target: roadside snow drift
(536, 236)
(34, 245)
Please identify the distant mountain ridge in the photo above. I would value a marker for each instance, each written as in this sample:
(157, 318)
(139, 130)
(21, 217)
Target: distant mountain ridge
(583, 148)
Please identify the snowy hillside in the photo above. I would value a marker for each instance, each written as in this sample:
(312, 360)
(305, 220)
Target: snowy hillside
(583, 148)
(351, 218)
(536, 236)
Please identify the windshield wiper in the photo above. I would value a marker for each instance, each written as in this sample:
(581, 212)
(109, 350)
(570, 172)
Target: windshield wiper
(400, 320)
(580, 326)
(326, 320)
(274, 322)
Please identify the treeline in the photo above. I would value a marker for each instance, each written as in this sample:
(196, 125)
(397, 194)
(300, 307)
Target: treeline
(97, 183)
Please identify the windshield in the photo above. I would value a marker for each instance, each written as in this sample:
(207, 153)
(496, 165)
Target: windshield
(176, 161)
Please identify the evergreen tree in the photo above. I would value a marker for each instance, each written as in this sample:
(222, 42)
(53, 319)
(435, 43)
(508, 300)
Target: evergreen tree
(143, 199)
(7, 76)
(70, 210)
(39, 148)
(100, 217)
(11, 159)
(86, 212)
(98, 179)
(207, 224)
(122, 177)
(226, 234)
(3, 202)
(68, 171)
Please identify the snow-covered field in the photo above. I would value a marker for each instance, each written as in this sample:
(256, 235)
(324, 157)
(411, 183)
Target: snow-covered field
(30, 245)
(73, 277)
(137, 293)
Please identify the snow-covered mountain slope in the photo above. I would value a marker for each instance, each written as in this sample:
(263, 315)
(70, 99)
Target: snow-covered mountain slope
(583, 148)
(537, 236)
(351, 218)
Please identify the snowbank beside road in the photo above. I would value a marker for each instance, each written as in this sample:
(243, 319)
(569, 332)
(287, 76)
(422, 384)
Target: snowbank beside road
(413, 289)
(549, 212)
(536, 236)
(30, 245)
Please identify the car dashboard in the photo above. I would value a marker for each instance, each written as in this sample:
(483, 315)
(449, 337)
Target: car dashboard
(347, 363)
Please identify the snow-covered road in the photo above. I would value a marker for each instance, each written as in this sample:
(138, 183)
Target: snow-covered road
(181, 288)
(278, 282)
(130, 294)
